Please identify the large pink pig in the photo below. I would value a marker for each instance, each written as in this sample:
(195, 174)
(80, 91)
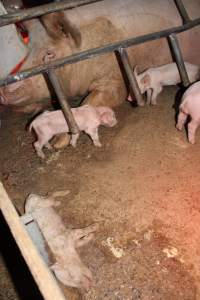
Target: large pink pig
(190, 106)
(88, 119)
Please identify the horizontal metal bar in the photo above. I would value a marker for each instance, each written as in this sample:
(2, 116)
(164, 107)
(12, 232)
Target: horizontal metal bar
(26, 14)
(179, 59)
(182, 11)
(97, 51)
(131, 77)
(73, 127)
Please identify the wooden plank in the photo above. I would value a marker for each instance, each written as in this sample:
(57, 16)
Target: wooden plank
(42, 275)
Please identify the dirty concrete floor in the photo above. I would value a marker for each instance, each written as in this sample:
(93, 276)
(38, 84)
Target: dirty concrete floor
(142, 187)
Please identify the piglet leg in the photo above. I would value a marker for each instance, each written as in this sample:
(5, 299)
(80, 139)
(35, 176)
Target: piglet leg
(84, 235)
(192, 127)
(48, 146)
(181, 120)
(149, 95)
(93, 133)
(38, 150)
(155, 93)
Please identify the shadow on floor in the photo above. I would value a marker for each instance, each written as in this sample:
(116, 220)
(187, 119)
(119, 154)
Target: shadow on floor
(21, 277)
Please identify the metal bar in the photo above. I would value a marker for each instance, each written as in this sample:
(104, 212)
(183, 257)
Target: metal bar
(36, 236)
(131, 76)
(97, 51)
(182, 11)
(73, 127)
(30, 13)
(44, 278)
(179, 59)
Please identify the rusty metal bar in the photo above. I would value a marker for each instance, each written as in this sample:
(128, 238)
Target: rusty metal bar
(73, 127)
(179, 59)
(182, 11)
(97, 51)
(131, 76)
(26, 14)
(44, 278)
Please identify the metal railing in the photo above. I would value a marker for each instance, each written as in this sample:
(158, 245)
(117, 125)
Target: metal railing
(120, 47)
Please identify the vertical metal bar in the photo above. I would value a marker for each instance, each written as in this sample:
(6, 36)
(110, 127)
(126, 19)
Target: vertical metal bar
(179, 59)
(73, 127)
(131, 76)
(36, 236)
(182, 11)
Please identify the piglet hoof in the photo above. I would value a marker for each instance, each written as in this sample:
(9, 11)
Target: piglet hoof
(73, 144)
(40, 154)
(192, 141)
(98, 144)
(178, 127)
(141, 103)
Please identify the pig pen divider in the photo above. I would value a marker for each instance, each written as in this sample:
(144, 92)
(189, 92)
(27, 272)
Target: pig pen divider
(34, 261)
(112, 47)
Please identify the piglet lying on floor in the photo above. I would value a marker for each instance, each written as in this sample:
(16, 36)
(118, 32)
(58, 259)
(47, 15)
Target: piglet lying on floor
(190, 106)
(63, 242)
(153, 79)
(87, 117)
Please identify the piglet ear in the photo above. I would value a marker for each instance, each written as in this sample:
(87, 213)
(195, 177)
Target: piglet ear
(146, 80)
(135, 70)
(105, 118)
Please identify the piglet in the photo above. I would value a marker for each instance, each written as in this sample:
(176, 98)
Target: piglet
(87, 117)
(153, 79)
(190, 106)
(63, 242)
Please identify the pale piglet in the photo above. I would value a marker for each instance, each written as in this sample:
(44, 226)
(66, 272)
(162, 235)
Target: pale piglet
(87, 117)
(190, 106)
(63, 242)
(153, 79)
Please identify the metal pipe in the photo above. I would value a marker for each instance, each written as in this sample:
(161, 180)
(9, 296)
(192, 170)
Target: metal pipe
(182, 11)
(131, 76)
(73, 127)
(179, 59)
(97, 51)
(26, 14)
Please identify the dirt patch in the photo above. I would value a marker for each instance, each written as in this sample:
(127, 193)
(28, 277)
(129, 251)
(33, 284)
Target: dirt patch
(142, 187)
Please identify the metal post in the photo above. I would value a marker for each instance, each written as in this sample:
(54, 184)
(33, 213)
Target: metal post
(182, 11)
(179, 59)
(73, 127)
(131, 76)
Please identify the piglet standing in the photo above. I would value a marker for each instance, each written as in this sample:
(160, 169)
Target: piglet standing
(190, 106)
(153, 79)
(87, 117)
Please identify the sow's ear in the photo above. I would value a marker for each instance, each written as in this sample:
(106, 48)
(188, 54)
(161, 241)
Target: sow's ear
(57, 24)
